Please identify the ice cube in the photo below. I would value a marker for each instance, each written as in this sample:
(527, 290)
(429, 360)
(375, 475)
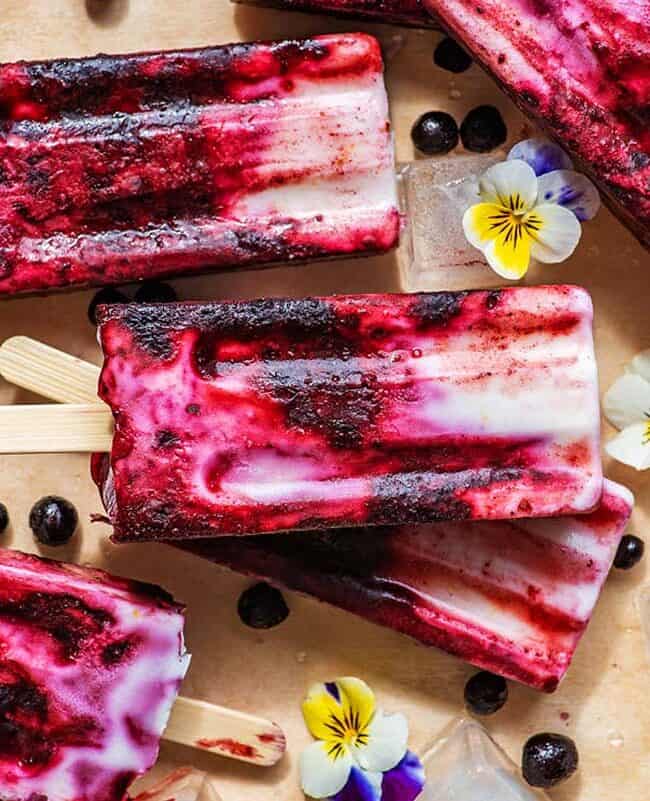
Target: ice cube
(184, 784)
(465, 764)
(434, 253)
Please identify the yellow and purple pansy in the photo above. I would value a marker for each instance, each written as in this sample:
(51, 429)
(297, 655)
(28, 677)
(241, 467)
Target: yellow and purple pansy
(531, 207)
(361, 754)
(627, 407)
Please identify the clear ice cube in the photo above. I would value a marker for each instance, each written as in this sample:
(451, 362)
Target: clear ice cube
(465, 764)
(184, 784)
(434, 253)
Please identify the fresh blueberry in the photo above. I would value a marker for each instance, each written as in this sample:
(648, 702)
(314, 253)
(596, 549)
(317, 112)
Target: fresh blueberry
(262, 607)
(549, 759)
(483, 129)
(4, 518)
(105, 296)
(451, 57)
(485, 693)
(53, 520)
(155, 292)
(434, 133)
(629, 553)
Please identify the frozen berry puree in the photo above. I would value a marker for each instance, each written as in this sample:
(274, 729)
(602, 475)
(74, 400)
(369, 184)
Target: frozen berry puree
(120, 168)
(90, 666)
(511, 597)
(581, 69)
(277, 414)
(396, 12)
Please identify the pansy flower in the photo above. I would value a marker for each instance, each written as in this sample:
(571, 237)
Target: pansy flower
(361, 753)
(627, 407)
(531, 208)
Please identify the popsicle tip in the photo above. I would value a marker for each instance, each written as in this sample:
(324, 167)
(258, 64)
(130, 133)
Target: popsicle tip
(12, 344)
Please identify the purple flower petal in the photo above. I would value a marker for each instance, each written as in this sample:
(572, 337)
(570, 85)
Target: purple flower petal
(405, 781)
(570, 189)
(542, 155)
(360, 787)
(333, 690)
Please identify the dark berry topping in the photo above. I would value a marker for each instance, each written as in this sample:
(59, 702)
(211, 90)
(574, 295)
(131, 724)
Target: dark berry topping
(53, 520)
(434, 133)
(155, 292)
(450, 56)
(549, 759)
(4, 518)
(106, 296)
(629, 553)
(114, 653)
(485, 693)
(483, 129)
(262, 607)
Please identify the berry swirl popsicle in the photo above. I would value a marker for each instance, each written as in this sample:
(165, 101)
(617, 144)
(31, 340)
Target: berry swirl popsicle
(119, 168)
(274, 415)
(512, 597)
(90, 666)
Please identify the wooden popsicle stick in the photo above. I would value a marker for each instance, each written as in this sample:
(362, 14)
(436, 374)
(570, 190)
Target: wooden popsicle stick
(47, 371)
(53, 428)
(226, 732)
(83, 424)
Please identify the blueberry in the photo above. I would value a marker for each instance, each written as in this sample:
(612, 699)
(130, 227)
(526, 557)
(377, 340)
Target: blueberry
(262, 607)
(549, 759)
(483, 129)
(155, 292)
(451, 57)
(106, 296)
(53, 520)
(629, 553)
(485, 693)
(435, 132)
(4, 518)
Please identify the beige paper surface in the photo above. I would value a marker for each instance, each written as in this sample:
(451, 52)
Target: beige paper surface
(605, 693)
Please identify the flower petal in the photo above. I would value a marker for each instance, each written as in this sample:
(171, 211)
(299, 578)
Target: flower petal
(321, 710)
(632, 446)
(361, 786)
(387, 743)
(627, 401)
(481, 223)
(320, 775)
(569, 189)
(405, 781)
(508, 256)
(511, 184)
(557, 235)
(542, 155)
(358, 702)
(640, 364)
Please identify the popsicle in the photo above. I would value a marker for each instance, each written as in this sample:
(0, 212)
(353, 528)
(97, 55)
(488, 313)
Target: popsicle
(119, 168)
(512, 597)
(90, 666)
(274, 415)
(396, 12)
(579, 68)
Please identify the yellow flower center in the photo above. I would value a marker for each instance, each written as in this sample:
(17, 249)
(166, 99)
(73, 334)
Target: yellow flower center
(346, 731)
(646, 434)
(512, 223)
